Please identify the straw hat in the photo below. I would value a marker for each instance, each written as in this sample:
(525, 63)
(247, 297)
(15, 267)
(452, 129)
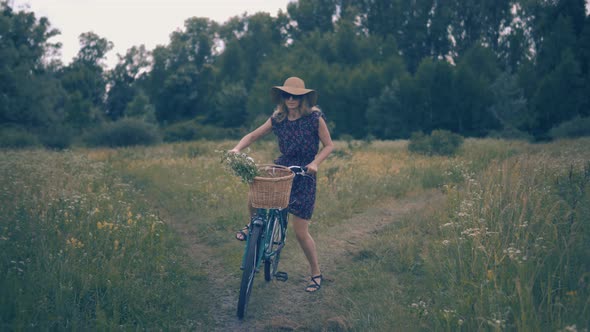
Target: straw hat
(296, 87)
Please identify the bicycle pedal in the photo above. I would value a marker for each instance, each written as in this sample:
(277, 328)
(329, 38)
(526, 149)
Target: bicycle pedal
(281, 276)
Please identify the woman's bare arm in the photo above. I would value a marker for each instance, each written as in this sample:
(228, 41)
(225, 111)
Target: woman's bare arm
(328, 147)
(252, 137)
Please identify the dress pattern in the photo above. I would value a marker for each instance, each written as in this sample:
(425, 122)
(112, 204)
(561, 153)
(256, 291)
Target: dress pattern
(299, 144)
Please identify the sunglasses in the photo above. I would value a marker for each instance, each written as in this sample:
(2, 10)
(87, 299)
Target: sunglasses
(286, 95)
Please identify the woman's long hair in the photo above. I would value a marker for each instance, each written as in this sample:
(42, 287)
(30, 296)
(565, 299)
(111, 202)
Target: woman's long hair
(281, 111)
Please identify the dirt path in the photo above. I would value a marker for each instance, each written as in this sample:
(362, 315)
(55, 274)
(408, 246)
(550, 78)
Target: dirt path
(284, 305)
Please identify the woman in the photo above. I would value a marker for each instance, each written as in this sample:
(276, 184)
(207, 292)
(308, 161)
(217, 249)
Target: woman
(299, 126)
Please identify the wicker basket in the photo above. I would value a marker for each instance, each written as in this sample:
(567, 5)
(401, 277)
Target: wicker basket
(272, 188)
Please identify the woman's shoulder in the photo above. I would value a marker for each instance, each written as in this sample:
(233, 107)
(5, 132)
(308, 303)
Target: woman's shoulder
(317, 113)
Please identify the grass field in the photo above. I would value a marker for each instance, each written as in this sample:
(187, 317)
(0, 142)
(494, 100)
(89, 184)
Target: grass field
(142, 238)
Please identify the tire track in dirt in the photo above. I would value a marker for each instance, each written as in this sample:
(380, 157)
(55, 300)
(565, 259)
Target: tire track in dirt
(286, 306)
(223, 311)
(336, 245)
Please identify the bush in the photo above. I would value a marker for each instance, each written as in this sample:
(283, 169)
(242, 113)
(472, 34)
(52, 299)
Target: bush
(419, 143)
(511, 133)
(182, 131)
(439, 142)
(576, 127)
(125, 132)
(191, 131)
(58, 137)
(445, 143)
(17, 138)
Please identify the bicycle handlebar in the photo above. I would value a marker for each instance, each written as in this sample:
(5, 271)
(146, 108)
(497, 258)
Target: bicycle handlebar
(298, 170)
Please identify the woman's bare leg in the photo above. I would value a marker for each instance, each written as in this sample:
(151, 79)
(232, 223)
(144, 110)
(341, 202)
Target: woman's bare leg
(241, 234)
(301, 227)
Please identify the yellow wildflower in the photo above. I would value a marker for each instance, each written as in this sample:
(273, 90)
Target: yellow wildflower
(116, 246)
(490, 274)
(104, 224)
(75, 243)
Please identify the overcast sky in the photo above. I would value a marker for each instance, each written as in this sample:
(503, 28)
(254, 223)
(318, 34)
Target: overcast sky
(129, 23)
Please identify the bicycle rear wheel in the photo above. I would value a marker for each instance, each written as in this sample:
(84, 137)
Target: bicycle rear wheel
(249, 270)
(275, 246)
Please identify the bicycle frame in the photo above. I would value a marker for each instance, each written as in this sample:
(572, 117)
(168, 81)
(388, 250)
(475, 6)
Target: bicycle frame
(267, 219)
(267, 232)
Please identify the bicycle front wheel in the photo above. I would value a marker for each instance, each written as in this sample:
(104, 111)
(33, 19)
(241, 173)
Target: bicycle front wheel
(249, 270)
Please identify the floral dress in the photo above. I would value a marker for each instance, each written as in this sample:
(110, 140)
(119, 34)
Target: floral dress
(299, 144)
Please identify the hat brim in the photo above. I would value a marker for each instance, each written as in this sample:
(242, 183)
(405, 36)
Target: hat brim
(276, 92)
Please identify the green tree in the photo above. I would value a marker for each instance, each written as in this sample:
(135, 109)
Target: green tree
(559, 96)
(386, 118)
(382, 17)
(181, 74)
(584, 54)
(310, 15)
(346, 42)
(434, 81)
(230, 105)
(249, 41)
(476, 71)
(559, 93)
(418, 26)
(85, 82)
(141, 108)
(509, 106)
(29, 93)
(557, 41)
(93, 50)
(414, 38)
(122, 80)
(479, 22)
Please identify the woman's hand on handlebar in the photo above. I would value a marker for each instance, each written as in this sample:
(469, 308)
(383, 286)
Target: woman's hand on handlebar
(312, 168)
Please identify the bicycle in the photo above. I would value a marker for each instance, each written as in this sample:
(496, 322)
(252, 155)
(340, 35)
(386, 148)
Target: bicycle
(267, 231)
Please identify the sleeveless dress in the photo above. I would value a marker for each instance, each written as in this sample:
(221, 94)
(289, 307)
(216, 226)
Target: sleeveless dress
(299, 144)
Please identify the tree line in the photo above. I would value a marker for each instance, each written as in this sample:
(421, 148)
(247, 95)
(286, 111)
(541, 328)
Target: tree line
(383, 69)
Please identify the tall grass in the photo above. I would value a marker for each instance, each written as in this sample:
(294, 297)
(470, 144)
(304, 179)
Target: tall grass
(513, 251)
(86, 243)
(80, 250)
(509, 250)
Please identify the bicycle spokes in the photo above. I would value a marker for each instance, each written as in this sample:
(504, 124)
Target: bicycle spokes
(265, 242)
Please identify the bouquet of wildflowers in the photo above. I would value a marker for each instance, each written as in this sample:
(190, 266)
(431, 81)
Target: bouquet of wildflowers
(240, 165)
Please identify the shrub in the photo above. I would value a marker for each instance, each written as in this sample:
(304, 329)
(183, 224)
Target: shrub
(576, 127)
(511, 133)
(439, 142)
(191, 131)
(419, 143)
(181, 131)
(17, 138)
(125, 132)
(445, 143)
(58, 137)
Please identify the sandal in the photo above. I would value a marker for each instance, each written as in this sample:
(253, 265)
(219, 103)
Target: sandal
(314, 286)
(241, 235)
